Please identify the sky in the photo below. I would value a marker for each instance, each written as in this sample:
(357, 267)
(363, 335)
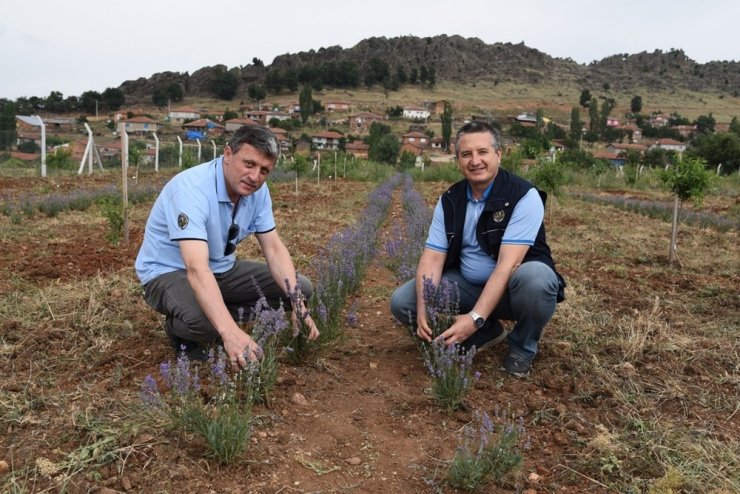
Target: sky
(74, 46)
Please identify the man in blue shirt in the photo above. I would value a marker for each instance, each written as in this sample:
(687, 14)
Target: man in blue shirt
(487, 235)
(187, 261)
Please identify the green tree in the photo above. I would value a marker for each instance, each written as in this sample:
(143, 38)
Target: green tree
(376, 131)
(540, 120)
(89, 101)
(687, 179)
(385, 150)
(256, 93)
(113, 99)
(230, 114)
(224, 84)
(446, 125)
(55, 102)
(636, 104)
(718, 149)
(705, 124)
(575, 124)
(274, 81)
(549, 176)
(7, 124)
(585, 99)
(606, 108)
(159, 97)
(593, 116)
(305, 100)
(735, 126)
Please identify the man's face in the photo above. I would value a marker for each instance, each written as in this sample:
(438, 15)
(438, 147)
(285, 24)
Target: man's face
(246, 170)
(477, 159)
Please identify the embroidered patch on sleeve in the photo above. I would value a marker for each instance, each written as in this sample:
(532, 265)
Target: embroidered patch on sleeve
(182, 221)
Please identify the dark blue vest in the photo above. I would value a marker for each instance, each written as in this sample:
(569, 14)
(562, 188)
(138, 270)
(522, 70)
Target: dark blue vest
(508, 189)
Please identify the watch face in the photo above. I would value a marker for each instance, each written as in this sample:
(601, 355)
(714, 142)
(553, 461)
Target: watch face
(479, 322)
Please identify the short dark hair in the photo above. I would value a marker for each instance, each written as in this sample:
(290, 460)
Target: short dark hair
(257, 136)
(476, 127)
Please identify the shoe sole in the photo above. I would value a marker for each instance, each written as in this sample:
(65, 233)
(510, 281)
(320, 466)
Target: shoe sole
(492, 342)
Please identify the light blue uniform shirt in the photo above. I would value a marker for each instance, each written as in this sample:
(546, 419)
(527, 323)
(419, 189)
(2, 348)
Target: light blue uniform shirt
(194, 205)
(475, 265)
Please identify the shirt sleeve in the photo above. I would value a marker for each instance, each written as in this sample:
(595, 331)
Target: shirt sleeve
(437, 238)
(526, 220)
(186, 215)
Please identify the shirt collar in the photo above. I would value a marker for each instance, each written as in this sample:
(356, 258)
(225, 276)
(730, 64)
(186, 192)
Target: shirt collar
(485, 193)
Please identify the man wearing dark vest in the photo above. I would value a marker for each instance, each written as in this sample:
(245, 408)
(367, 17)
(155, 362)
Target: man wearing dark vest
(488, 236)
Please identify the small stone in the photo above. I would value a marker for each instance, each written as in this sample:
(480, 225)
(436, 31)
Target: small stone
(626, 369)
(373, 365)
(126, 484)
(533, 478)
(299, 399)
(355, 460)
(4, 467)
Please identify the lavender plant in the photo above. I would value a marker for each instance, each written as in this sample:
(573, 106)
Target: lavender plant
(269, 326)
(341, 264)
(218, 409)
(408, 235)
(296, 342)
(484, 453)
(441, 304)
(450, 368)
(451, 371)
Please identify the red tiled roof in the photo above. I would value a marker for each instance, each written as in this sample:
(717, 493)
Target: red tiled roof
(328, 134)
(140, 120)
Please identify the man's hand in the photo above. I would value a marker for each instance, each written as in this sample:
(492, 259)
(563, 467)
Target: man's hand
(241, 349)
(423, 330)
(313, 331)
(460, 331)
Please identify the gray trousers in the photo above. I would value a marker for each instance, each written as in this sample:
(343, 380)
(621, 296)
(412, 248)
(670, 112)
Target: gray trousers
(241, 287)
(529, 300)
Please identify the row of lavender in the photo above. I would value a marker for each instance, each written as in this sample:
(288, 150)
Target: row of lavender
(216, 405)
(483, 451)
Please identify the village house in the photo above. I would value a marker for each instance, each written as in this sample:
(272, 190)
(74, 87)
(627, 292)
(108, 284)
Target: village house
(283, 139)
(438, 107)
(416, 138)
(360, 122)
(137, 125)
(201, 128)
(179, 116)
(612, 122)
(669, 145)
(685, 130)
(235, 124)
(413, 147)
(337, 106)
(358, 149)
(633, 131)
(415, 113)
(620, 149)
(611, 158)
(326, 140)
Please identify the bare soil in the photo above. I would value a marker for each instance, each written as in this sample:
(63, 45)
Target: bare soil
(370, 424)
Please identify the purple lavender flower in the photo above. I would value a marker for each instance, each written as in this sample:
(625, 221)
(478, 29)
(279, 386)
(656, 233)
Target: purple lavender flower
(150, 392)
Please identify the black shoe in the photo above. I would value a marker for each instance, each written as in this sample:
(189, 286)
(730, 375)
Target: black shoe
(191, 349)
(491, 333)
(517, 366)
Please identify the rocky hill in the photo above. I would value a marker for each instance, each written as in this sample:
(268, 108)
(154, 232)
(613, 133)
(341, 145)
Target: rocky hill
(459, 59)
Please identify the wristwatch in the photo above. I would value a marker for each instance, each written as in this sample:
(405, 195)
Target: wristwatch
(477, 319)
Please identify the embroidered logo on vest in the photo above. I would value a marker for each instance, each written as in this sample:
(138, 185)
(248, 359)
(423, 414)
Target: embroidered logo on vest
(498, 216)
